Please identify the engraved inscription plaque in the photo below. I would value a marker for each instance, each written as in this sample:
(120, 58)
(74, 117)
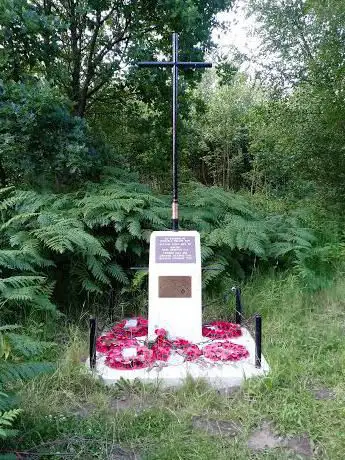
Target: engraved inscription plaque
(175, 249)
(175, 286)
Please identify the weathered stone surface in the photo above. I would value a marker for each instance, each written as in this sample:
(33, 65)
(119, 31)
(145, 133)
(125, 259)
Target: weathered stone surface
(216, 427)
(323, 393)
(264, 438)
(300, 445)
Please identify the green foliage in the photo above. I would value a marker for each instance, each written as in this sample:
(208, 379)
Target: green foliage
(6, 420)
(21, 52)
(297, 140)
(17, 363)
(81, 48)
(317, 267)
(109, 230)
(74, 249)
(22, 263)
(222, 152)
(303, 135)
(41, 143)
(304, 40)
(237, 239)
(304, 347)
(84, 244)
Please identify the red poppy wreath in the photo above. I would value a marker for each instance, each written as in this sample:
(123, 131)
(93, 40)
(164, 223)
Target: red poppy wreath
(122, 349)
(221, 330)
(134, 327)
(225, 351)
(129, 354)
(187, 349)
(105, 342)
(163, 346)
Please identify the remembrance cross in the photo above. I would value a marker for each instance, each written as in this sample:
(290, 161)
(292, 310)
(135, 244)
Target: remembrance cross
(175, 64)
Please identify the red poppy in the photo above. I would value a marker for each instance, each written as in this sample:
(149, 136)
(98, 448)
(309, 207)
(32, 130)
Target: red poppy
(161, 332)
(117, 359)
(187, 349)
(123, 351)
(104, 342)
(225, 351)
(221, 330)
(134, 327)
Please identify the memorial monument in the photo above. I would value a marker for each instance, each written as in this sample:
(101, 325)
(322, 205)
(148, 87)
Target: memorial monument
(173, 343)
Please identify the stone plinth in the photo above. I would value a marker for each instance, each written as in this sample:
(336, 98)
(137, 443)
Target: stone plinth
(174, 372)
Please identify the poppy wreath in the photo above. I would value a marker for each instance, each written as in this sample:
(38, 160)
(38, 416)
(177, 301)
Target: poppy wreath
(124, 329)
(139, 356)
(105, 342)
(225, 351)
(221, 330)
(187, 349)
(123, 351)
(162, 346)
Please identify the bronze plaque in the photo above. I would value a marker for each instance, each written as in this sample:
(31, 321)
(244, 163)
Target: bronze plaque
(175, 286)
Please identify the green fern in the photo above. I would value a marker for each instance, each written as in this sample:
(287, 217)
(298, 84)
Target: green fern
(96, 267)
(25, 259)
(87, 240)
(67, 234)
(12, 372)
(24, 346)
(242, 234)
(6, 421)
(27, 290)
(15, 350)
(214, 270)
(8, 401)
(117, 272)
(317, 266)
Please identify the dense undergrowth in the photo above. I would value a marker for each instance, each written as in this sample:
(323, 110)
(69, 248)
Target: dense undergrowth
(78, 248)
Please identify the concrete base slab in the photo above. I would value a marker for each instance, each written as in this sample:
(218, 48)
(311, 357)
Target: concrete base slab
(174, 372)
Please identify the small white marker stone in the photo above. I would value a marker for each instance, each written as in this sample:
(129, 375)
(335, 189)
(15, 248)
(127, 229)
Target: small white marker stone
(131, 323)
(175, 359)
(130, 352)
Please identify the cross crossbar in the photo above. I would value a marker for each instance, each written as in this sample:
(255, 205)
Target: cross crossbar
(183, 64)
(175, 64)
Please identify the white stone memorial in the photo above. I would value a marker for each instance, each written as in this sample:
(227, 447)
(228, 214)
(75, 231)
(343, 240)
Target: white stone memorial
(175, 304)
(174, 373)
(175, 284)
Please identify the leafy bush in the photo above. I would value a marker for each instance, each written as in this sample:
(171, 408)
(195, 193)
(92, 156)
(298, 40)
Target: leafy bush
(41, 143)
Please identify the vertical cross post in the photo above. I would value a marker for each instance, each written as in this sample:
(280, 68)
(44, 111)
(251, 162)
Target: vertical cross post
(174, 211)
(175, 64)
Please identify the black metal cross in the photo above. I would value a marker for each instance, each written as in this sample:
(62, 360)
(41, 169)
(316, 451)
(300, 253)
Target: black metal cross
(174, 64)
